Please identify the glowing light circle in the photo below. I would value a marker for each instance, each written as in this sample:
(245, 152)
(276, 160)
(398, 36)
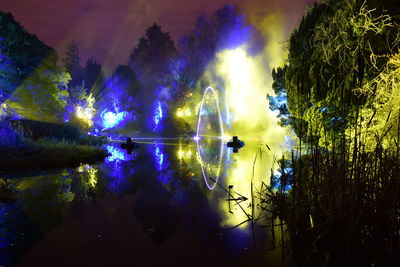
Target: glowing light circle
(197, 137)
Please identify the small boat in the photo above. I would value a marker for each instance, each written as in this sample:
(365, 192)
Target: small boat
(236, 144)
(129, 145)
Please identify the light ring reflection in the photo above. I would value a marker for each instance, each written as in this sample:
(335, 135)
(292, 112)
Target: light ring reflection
(221, 127)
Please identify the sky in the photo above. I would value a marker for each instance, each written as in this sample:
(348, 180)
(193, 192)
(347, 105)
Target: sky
(108, 30)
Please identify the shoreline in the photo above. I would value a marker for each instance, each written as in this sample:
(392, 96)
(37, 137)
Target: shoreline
(48, 155)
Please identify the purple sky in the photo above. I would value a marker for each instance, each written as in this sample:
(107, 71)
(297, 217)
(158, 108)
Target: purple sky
(109, 29)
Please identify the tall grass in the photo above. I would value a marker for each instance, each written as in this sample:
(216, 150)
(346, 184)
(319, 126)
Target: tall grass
(344, 208)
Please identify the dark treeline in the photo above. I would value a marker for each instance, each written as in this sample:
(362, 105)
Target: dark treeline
(159, 76)
(341, 81)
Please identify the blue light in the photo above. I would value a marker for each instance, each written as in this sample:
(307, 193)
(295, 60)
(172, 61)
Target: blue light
(165, 178)
(155, 122)
(111, 119)
(159, 158)
(117, 154)
(158, 114)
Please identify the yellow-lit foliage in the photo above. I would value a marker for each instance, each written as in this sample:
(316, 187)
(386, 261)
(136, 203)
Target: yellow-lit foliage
(41, 95)
(380, 117)
(83, 116)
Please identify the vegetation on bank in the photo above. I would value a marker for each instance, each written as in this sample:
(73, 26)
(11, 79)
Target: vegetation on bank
(27, 144)
(341, 81)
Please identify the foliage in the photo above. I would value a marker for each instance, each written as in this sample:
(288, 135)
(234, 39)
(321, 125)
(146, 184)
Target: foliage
(117, 100)
(226, 28)
(342, 84)
(42, 95)
(150, 58)
(20, 54)
(94, 77)
(380, 118)
(278, 102)
(80, 109)
(36, 130)
(150, 62)
(9, 136)
(343, 205)
(338, 47)
(72, 65)
(45, 154)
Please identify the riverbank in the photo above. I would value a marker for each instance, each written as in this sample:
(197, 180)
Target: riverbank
(48, 155)
(30, 145)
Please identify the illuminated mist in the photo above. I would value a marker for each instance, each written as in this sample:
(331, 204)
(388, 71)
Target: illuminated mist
(244, 80)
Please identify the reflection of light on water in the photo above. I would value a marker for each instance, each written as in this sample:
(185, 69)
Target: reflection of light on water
(159, 158)
(197, 139)
(162, 163)
(183, 154)
(90, 172)
(92, 177)
(117, 154)
(246, 84)
(276, 182)
(115, 162)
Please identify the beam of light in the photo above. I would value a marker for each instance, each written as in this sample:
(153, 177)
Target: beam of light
(221, 128)
(156, 138)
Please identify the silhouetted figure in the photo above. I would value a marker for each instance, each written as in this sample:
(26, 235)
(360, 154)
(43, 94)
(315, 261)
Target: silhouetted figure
(236, 144)
(129, 145)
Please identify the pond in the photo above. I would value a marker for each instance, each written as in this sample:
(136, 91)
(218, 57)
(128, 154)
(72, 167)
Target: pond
(170, 201)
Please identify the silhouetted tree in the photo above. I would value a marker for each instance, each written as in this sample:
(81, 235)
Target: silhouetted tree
(20, 54)
(94, 77)
(72, 65)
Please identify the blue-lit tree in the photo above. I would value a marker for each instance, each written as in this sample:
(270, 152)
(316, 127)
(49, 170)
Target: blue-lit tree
(116, 105)
(150, 61)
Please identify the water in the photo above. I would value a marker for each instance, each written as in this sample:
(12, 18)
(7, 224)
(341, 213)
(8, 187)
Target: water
(149, 208)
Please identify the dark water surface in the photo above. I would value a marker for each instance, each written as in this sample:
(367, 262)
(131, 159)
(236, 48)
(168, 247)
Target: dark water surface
(149, 208)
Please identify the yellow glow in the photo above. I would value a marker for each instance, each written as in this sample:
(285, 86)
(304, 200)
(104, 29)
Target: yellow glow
(85, 114)
(90, 173)
(184, 154)
(180, 154)
(183, 112)
(247, 81)
(92, 177)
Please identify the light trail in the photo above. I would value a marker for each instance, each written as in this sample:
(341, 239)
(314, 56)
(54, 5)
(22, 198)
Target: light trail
(197, 139)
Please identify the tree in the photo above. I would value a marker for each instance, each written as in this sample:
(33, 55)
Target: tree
(339, 46)
(72, 65)
(94, 77)
(20, 54)
(117, 100)
(150, 62)
(151, 57)
(43, 95)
